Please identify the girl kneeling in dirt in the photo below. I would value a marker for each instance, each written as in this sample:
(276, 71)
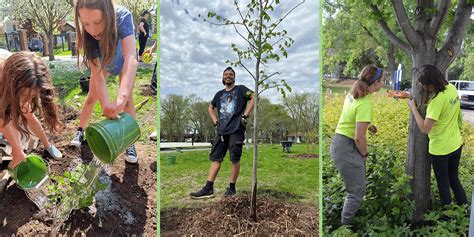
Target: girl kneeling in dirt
(25, 88)
(349, 146)
(442, 123)
(105, 36)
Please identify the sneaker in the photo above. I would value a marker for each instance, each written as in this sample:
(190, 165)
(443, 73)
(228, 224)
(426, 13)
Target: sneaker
(153, 136)
(203, 193)
(230, 192)
(131, 154)
(54, 152)
(78, 138)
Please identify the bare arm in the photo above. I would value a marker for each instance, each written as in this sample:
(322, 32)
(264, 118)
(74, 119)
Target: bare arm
(129, 72)
(250, 106)
(152, 49)
(212, 114)
(360, 137)
(141, 28)
(13, 137)
(98, 84)
(426, 124)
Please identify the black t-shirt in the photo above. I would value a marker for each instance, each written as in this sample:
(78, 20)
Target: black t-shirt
(146, 26)
(230, 107)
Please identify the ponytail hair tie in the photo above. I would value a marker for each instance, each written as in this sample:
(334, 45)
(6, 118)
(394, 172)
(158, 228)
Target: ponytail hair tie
(377, 76)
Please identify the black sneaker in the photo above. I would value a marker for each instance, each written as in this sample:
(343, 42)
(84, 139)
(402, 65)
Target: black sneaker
(230, 192)
(78, 138)
(203, 193)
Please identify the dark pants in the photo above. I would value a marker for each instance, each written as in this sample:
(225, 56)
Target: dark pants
(153, 84)
(232, 142)
(446, 171)
(142, 42)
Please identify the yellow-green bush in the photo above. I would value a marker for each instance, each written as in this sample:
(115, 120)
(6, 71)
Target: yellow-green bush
(387, 209)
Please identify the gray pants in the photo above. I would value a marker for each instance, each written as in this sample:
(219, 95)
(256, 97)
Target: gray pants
(351, 165)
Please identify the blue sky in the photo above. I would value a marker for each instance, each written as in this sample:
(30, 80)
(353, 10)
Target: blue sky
(193, 52)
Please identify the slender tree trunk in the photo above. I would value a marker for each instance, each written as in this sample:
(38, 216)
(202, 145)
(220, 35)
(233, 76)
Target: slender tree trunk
(50, 45)
(253, 202)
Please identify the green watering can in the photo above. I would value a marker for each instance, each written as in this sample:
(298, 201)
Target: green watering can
(30, 173)
(110, 137)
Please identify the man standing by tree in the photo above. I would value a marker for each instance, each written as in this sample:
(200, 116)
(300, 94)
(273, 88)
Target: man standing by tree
(230, 122)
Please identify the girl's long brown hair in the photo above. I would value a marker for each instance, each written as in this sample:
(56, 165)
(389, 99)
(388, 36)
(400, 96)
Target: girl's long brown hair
(23, 71)
(86, 44)
(361, 86)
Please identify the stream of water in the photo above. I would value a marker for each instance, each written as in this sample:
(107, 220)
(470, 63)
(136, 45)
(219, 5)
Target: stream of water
(60, 212)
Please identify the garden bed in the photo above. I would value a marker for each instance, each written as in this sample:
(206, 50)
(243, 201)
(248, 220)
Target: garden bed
(127, 206)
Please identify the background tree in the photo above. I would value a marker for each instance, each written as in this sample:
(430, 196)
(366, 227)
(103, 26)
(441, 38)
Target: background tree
(201, 121)
(303, 110)
(137, 7)
(264, 43)
(174, 117)
(43, 14)
(275, 123)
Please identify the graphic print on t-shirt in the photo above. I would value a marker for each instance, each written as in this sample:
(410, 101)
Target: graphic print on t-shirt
(228, 104)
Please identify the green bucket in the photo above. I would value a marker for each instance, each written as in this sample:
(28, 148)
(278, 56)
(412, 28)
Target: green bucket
(171, 160)
(109, 138)
(30, 173)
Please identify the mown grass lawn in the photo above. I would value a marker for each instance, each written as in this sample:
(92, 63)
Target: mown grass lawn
(279, 176)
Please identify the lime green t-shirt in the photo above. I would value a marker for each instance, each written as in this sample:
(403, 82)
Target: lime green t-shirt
(354, 110)
(445, 136)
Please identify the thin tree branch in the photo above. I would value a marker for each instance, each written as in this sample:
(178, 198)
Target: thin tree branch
(245, 38)
(243, 22)
(435, 23)
(265, 89)
(455, 35)
(275, 24)
(282, 38)
(405, 24)
(281, 19)
(268, 77)
(389, 33)
(246, 69)
(371, 35)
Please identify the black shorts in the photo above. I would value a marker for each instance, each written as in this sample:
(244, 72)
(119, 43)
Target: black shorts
(232, 142)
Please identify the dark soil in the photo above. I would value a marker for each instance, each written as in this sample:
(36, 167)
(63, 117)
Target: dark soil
(126, 208)
(230, 216)
(304, 156)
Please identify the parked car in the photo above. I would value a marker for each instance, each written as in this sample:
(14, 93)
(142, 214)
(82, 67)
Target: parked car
(465, 91)
(35, 45)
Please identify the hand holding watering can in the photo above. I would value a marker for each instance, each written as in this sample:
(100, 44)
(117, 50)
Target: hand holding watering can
(30, 172)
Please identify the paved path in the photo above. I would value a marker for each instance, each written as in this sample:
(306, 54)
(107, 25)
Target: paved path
(170, 145)
(468, 115)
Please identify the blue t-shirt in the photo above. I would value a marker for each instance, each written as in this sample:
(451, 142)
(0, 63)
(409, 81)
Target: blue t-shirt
(125, 27)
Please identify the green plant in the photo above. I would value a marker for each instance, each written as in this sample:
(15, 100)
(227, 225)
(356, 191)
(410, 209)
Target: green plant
(74, 190)
(387, 208)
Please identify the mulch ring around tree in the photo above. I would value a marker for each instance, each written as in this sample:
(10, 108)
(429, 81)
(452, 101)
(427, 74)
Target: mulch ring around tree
(304, 156)
(230, 216)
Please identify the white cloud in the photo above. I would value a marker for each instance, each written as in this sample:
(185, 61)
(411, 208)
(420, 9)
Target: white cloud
(193, 52)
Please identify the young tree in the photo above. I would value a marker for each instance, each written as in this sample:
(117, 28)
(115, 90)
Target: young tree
(44, 14)
(265, 42)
